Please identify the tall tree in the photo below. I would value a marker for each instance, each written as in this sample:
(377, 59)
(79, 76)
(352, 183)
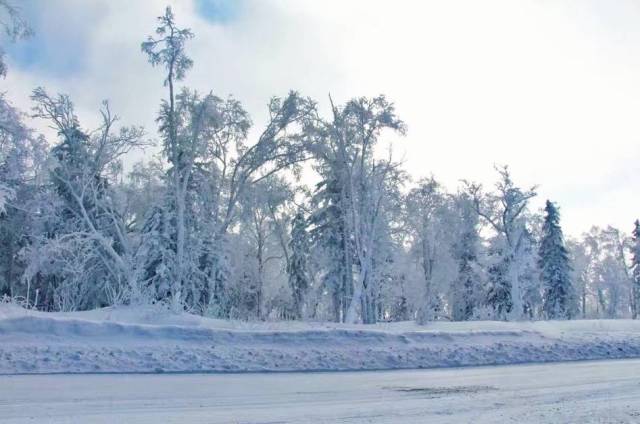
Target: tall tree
(429, 224)
(354, 188)
(211, 166)
(555, 267)
(168, 50)
(22, 158)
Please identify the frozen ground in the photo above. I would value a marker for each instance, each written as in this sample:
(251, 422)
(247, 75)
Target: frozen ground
(576, 392)
(154, 340)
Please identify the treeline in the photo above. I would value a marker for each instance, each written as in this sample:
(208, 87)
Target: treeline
(221, 224)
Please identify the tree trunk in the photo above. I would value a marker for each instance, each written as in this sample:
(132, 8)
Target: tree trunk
(584, 302)
(176, 289)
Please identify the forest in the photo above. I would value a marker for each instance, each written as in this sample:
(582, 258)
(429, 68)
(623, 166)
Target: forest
(312, 219)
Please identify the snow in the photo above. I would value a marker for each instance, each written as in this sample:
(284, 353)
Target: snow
(578, 392)
(152, 339)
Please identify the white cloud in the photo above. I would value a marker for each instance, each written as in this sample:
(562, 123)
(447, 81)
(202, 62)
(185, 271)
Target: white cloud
(550, 88)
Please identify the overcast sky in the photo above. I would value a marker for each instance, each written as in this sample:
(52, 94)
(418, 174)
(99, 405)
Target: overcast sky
(551, 88)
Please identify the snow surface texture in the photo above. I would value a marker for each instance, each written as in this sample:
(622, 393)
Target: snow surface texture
(570, 392)
(154, 340)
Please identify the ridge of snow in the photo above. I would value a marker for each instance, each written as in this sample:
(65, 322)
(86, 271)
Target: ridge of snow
(152, 339)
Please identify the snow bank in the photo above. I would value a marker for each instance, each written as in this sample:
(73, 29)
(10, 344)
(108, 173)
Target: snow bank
(151, 339)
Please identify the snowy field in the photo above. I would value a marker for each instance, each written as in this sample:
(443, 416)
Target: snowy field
(577, 392)
(152, 340)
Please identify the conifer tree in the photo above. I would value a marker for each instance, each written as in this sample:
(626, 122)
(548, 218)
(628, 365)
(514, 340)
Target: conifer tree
(554, 266)
(499, 286)
(465, 286)
(297, 269)
(156, 252)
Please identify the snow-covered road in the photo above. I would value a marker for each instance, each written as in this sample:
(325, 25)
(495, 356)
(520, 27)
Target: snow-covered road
(578, 392)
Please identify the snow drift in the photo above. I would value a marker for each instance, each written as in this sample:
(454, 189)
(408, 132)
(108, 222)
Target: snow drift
(154, 340)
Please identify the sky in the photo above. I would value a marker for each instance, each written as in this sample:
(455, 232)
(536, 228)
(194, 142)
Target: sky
(550, 88)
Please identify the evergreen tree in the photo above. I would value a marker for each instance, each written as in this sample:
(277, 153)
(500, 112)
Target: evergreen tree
(465, 251)
(499, 290)
(297, 269)
(635, 268)
(554, 266)
(329, 235)
(156, 252)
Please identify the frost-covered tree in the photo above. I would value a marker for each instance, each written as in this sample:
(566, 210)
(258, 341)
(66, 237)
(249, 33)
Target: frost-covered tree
(555, 269)
(265, 210)
(582, 264)
(387, 261)
(529, 272)
(333, 244)
(167, 50)
(430, 223)
(466, 288)
(22, 158)
(156, 252)
(499, 295)
(19, 162)
(297, 268)
(351, 193)
(503, 211)
(211, 166)
(90, 240)
(606, 274)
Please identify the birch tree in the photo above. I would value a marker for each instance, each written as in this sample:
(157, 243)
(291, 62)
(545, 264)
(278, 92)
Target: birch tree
(353, 183)
(429, 225)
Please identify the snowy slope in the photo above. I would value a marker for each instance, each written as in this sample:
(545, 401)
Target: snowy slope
(154, 340)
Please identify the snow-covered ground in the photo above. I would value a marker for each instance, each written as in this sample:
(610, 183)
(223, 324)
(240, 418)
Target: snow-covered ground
(151, 339)
(577, 392)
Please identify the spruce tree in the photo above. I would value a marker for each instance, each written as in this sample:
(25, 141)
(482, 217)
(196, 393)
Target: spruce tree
(635, 267)
(156, 252)
(297, 269)
(554, 266)
(465, 287)
(499, 286)
(329, 234)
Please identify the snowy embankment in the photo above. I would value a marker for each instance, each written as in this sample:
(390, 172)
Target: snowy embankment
(154, 340)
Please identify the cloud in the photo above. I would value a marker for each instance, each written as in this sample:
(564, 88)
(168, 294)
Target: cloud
(550, 88)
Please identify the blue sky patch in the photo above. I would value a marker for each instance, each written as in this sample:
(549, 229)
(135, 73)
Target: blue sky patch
(56, 49)
(219, 11)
